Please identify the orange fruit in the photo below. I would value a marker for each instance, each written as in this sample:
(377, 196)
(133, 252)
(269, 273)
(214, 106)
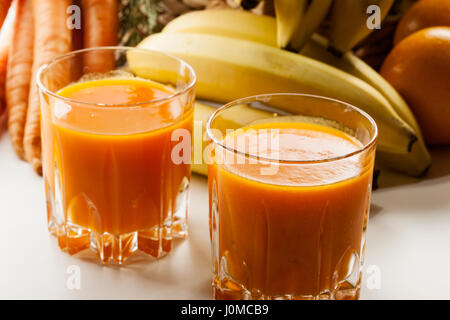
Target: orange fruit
(423, 14)
(419, 68)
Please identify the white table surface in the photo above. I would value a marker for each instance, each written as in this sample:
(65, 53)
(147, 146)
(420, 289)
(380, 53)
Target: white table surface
(408, 242)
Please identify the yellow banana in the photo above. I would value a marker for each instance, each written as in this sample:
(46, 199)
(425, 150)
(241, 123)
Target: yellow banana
(261, 29)
(289, 14)
(236, 118)
(350, 21)
(313, 18)
(244, 25)
(402, 163)
(417, 161)
(229, 69)
(229, 23)
(201, 115)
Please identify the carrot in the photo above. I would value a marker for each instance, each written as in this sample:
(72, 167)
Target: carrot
(4, 49)
(4, 7)
(77, 34)
(100, 27)
(77, 42)
(5, 43)
(52, 38)
(18, 76)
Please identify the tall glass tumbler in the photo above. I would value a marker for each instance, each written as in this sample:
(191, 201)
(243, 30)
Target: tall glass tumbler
(290, 180)
(116, 173)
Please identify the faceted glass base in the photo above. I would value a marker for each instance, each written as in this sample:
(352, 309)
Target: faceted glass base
(117, 248)
(231, 290)
(245, 268)
(110, 248)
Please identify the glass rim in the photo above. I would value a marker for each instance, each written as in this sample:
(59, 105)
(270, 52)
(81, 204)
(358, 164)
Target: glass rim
(46, 66)
(261, 98)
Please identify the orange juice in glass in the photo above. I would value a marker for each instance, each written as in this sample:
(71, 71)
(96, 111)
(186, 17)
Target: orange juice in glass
(113, 181)
(289, 193)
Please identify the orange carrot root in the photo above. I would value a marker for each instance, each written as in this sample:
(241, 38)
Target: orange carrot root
(100, 28)
(4, 49)
(4, 7)
(5, 43)
(77, 34)
(19, 74)
(52, 38)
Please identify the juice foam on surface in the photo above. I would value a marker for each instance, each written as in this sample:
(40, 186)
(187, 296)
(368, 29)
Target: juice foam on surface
(115, 91)
(297, 142)
(85, 112)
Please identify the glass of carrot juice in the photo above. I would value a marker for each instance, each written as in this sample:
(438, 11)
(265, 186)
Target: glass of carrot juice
(116, 144)
(290, 179)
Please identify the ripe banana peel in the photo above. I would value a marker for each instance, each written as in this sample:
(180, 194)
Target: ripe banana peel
(289, 14)
(414, 163)
(261, 29)
(201, 115)
(349, 22)
(297, 20)
(413, 166)
(229, 69)
(236, 118)
(314, 15)
(248, 26)
(230, 23)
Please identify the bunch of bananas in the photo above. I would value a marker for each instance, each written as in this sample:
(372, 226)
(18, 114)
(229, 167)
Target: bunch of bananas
(236, 54)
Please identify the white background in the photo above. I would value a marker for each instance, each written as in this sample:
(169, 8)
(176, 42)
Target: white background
(408, 240)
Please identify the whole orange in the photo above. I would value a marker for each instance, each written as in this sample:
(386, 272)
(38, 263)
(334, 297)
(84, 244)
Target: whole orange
(419, 68)
(423, 14)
